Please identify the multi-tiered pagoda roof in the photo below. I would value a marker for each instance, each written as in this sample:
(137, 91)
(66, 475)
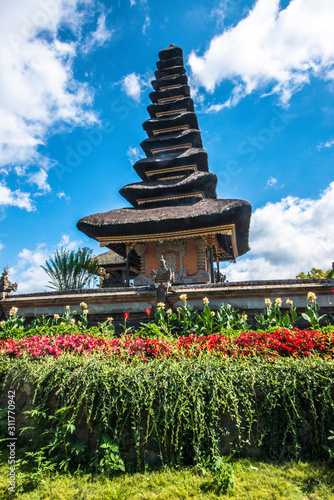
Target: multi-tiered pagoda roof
(176, 199)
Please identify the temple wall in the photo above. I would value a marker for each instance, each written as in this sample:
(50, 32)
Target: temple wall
(190, 260)
(151, 259)
(102, 303)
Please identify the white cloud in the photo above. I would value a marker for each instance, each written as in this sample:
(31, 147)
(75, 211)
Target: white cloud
(131, 84)
(39, 178)
(1, 246)
(99, 37)
(271, 48)
(134, 154)
(271, 182)
(15, 198)
(288, 237)
(325, 145)
(27, 271)
(219, 12)
(62, 194)
(132, 2)
(146, 24)
(38, 91)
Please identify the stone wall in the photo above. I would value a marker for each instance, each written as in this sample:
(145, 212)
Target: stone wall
(247, 296)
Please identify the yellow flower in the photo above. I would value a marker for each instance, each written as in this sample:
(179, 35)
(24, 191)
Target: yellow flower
(267, 302)
(13, 311)
(311, 297)
(161, 305)
(74, 312)
(110, 319)
(289, 302)
(79, 323)
(83, 305)
(85, 312)
(228, 306)
(213, 313)
(244, 317)
(2, 323)
(68, 308)
(206, 301)
(278, 302)
(56, 316)
(183, 297)
(62, 323)
(169, 312)
(72, 321)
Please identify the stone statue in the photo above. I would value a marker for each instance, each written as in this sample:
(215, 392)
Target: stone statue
(5, 285)
(163, 279)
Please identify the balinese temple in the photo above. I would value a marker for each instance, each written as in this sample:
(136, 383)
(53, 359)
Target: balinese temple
(175, 211)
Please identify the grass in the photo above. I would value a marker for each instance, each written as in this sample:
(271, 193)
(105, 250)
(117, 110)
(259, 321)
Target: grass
(254, 480)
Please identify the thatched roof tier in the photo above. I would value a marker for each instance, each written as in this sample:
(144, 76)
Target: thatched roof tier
(172, 62)
(207, 216)
(166, 144)
(191, 160)
(171, 52)
(168, 82)
(189, 189)
(162, 96)
(171, 124)
(171, 108)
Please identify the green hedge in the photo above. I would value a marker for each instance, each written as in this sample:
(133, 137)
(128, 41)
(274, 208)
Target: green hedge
(180, 412)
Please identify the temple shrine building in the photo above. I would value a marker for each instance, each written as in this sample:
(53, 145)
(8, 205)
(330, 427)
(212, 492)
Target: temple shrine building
(175, 212)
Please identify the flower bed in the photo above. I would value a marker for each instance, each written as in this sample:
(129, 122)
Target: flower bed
(282, 342)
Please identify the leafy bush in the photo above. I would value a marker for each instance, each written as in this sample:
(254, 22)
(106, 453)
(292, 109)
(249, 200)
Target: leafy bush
(186, 411)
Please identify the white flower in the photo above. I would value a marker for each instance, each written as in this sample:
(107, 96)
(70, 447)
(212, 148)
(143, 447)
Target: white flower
(161, 305)
(267, 302)
(278, 302)
(72, 321)
(56, 316)
(289, 302)
(68, 308)
(206, 301)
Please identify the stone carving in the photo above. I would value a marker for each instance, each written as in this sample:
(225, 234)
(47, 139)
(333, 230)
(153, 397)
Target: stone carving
(171, 261)
(163, 279)
(6, 286)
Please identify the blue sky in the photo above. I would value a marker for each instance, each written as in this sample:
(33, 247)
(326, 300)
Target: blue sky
(74, 89)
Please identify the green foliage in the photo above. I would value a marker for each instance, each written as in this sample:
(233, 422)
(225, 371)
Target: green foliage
(272, 316)
(230, 318)
(330, 449)
(71, 269)
(254, 480)
(221, 472)
(311, 314)
(187, 410)
(315, 273)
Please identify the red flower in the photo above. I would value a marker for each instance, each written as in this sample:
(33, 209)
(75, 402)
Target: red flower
(148, 311)
(126, 316)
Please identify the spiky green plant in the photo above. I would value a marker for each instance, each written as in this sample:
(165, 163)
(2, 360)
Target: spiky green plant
(71, 269)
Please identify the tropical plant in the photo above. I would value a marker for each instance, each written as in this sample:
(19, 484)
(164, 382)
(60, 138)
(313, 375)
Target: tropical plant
(315, 273)
(311, 313)
(71, 269)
